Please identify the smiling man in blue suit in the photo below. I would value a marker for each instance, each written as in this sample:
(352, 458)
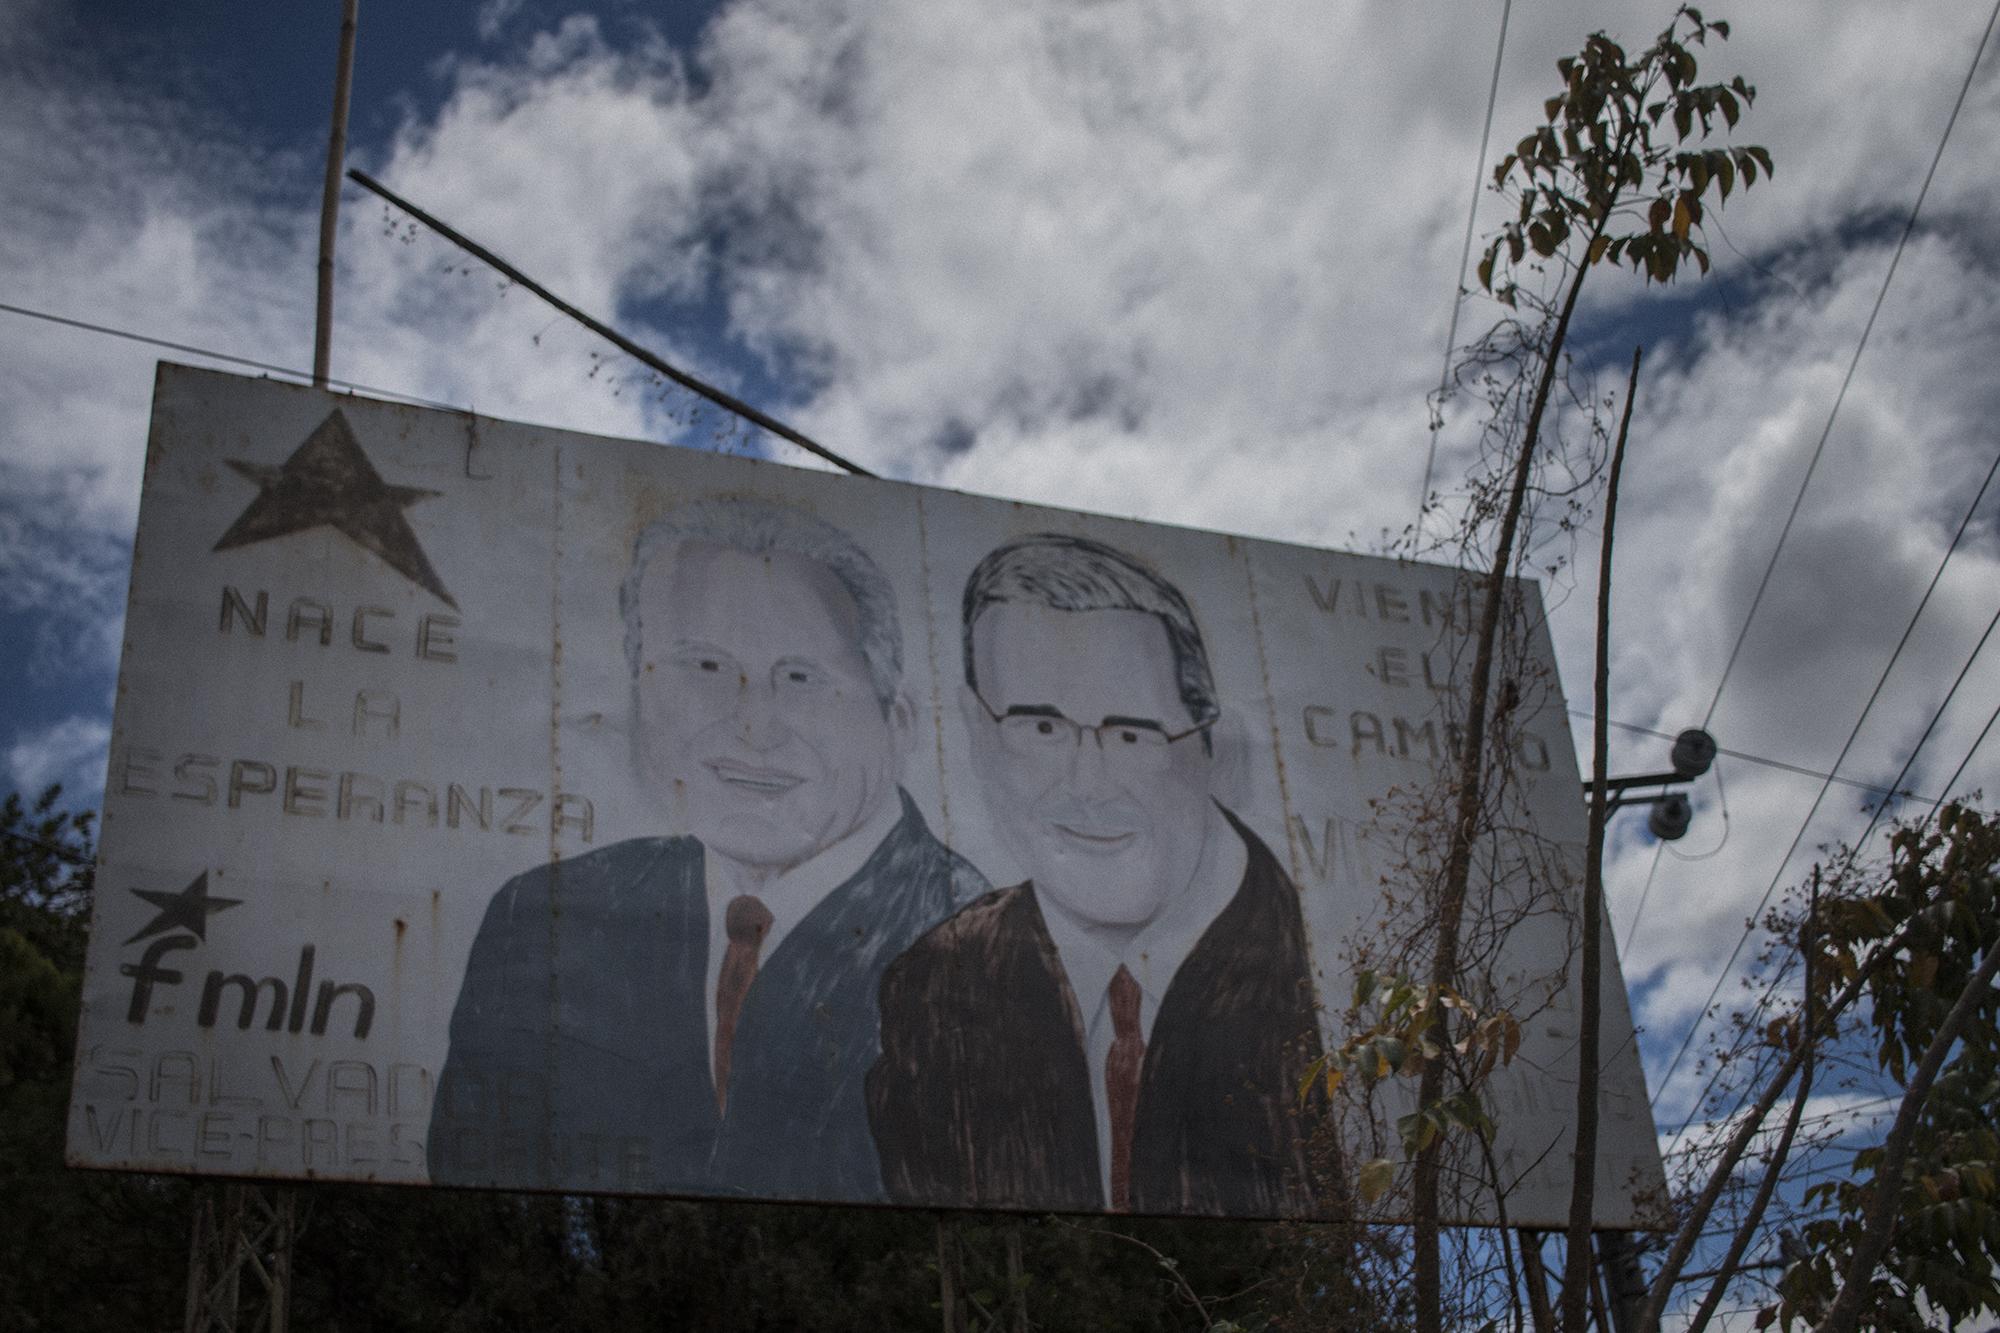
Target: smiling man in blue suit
(697, 1014)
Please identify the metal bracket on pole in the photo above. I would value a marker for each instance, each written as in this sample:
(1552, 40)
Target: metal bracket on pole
(1694, 751)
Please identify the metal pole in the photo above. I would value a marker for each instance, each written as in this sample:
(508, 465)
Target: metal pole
(329, 205)
(195, 1315)
(284, 1229)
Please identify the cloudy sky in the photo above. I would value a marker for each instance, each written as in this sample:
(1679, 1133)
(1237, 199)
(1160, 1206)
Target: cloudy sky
(1181, 262)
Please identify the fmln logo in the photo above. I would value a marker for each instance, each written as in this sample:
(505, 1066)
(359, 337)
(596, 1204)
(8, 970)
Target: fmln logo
(180, 923)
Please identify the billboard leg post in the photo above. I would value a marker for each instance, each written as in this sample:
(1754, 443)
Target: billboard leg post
(1600, 1309)
(284, 1220)
(238, 1227)
(215, 1250)
(1017, 1283)
(1625, 1282)
(1539, 1309)
(947, 1264)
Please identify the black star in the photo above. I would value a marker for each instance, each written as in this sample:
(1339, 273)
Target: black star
(187, 910)
(328, 480)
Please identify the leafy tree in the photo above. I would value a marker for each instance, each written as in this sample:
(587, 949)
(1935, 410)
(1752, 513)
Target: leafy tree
(1618, 173)
(1899, 958)
(1918, 1236)
(79, 1250)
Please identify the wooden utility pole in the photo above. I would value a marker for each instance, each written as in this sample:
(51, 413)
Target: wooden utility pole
(251, 1227)
(329, 206)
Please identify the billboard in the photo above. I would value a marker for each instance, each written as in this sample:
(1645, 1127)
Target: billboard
(499, 806)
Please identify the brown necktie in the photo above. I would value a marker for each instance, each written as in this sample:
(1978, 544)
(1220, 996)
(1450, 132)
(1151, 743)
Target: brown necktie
(746, 921)
(1121, 1081)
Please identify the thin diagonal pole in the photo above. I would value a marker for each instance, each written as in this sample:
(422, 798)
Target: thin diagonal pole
(721, 399)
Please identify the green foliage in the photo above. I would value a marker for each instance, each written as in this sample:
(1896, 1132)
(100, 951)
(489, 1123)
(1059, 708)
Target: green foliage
(1400, 1040)
(1610, 164)
(1929, 921)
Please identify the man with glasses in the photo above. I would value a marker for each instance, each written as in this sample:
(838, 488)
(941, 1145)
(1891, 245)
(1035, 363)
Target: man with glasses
(697, 1013)
(1128, 1029)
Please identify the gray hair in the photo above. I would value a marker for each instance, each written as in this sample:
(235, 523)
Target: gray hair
(1078, 574)
(755, 527)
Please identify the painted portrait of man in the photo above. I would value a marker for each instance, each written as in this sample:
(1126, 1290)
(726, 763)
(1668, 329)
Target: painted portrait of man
(1127, 1028)
(696, 1011)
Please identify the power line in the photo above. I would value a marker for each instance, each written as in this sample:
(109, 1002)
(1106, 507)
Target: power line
(1765, 760)
(1825, 786)
(1960, 770)
(1829, 778)
(1902, 243)
(1931, 726)
(1765, 998)
(56, 850)
(1881, 806)
(1464, 257)
(290, 372)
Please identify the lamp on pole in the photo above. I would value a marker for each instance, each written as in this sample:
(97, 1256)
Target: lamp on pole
(1693, 752)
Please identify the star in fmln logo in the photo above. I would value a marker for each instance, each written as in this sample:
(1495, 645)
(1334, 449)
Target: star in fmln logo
(329, 482)
(288, 1004)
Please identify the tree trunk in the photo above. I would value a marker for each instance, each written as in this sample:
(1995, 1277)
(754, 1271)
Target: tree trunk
(1773, 1169)
(1465, 822)
(1583, 1165)
(1845, 1312)
(1691, 1227)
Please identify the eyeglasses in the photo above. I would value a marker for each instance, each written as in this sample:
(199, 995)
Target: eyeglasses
(1037, 731)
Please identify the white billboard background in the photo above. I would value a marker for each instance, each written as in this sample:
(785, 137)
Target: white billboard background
(364, 797)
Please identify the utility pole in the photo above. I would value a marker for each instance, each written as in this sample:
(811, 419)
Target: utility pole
(329, 207)
(252, 1228)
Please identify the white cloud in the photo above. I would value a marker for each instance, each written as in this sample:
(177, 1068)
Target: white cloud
(493, 17)
(70, 752)
(1182, 262)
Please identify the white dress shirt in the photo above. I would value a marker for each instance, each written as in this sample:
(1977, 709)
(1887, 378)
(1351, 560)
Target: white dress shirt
(789, 896)
(1090, 958)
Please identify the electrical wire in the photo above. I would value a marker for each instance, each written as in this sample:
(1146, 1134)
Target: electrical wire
(1722, 799)
(1829, 778)
(61, 853)
(1770, 989)
(1765, 998)
(1464, 258)
(1827, 785)
(1902, 243)
(1749, 758)
(1931, 726)
(1960, 770)
(190, 349)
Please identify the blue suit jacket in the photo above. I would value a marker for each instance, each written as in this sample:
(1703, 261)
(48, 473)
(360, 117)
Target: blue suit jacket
(579, 1052)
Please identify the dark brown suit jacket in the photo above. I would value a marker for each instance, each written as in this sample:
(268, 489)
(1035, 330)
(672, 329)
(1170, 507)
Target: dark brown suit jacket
(982, 1093)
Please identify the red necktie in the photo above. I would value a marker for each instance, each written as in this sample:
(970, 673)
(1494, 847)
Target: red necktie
(745, 922)
(1121, 1081)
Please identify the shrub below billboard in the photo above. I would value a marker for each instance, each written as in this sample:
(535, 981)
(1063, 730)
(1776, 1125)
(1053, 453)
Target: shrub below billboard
(498, 806)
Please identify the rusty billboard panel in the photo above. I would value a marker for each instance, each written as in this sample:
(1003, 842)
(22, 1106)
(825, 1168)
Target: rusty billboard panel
(493, 805)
